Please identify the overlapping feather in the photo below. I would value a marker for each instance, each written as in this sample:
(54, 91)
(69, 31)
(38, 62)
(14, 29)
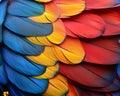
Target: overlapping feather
(60, 47)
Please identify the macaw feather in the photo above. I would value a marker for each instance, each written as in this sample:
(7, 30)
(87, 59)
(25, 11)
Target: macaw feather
(20, 64)
(20, 44)
(3, 76)
(102, 51)
(75, 6)
(51, 14)
(85, 25)
(72, 90)
(70, 52)
(26, 8)
(3, 8)
(56, 37)
(26, 27)
(57, 85)
(43, 0)
(25, 83)
(60, 47)
(47, 58)
(50, 72)
(95, 74)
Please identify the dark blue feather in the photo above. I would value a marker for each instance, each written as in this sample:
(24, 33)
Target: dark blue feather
(3, 76)
(118, 70)
(14, 91)
(115, 93)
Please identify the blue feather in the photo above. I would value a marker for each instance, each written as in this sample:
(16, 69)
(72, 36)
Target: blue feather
(117, 2)
(14, 91)
(26, 8)
(3, 76)
(118, 70)
(3, 7)
(25, 83)
(27, 27)
(20, 44)
(22, 65)
(115, 93)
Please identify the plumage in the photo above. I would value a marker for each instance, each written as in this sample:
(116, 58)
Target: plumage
(76, 6)
(101, 4)
(50, 72)
(58, 31)
(112, 20)
(77, 74)
(3, 8)
(70, 54)
(101, 55)
(24, 83)
(60, 47)
(47, 58)
(72, 91)
(118, 70)
(50, 14)
(22, 45)
(17, 62)
(114, 86)
(3, 77)
(32, 8)
(57, 86)
(85, 25)
(14, 24)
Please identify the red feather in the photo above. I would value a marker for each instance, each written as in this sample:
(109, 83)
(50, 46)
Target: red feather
(89, 74)
(85, 25)
(105, 50)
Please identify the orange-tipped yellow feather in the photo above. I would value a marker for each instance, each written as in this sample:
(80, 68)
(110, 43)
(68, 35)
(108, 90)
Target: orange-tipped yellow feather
(70, 51)
(57, 86)
(58, 34)
(70, 7)
(43, 0)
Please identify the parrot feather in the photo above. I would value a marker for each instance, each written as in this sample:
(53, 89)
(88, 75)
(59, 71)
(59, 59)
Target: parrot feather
(26, 8)
(98, 78)
(14, 24)
(18, 62)
(3, 8)
(21, 44)
(26, 84)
